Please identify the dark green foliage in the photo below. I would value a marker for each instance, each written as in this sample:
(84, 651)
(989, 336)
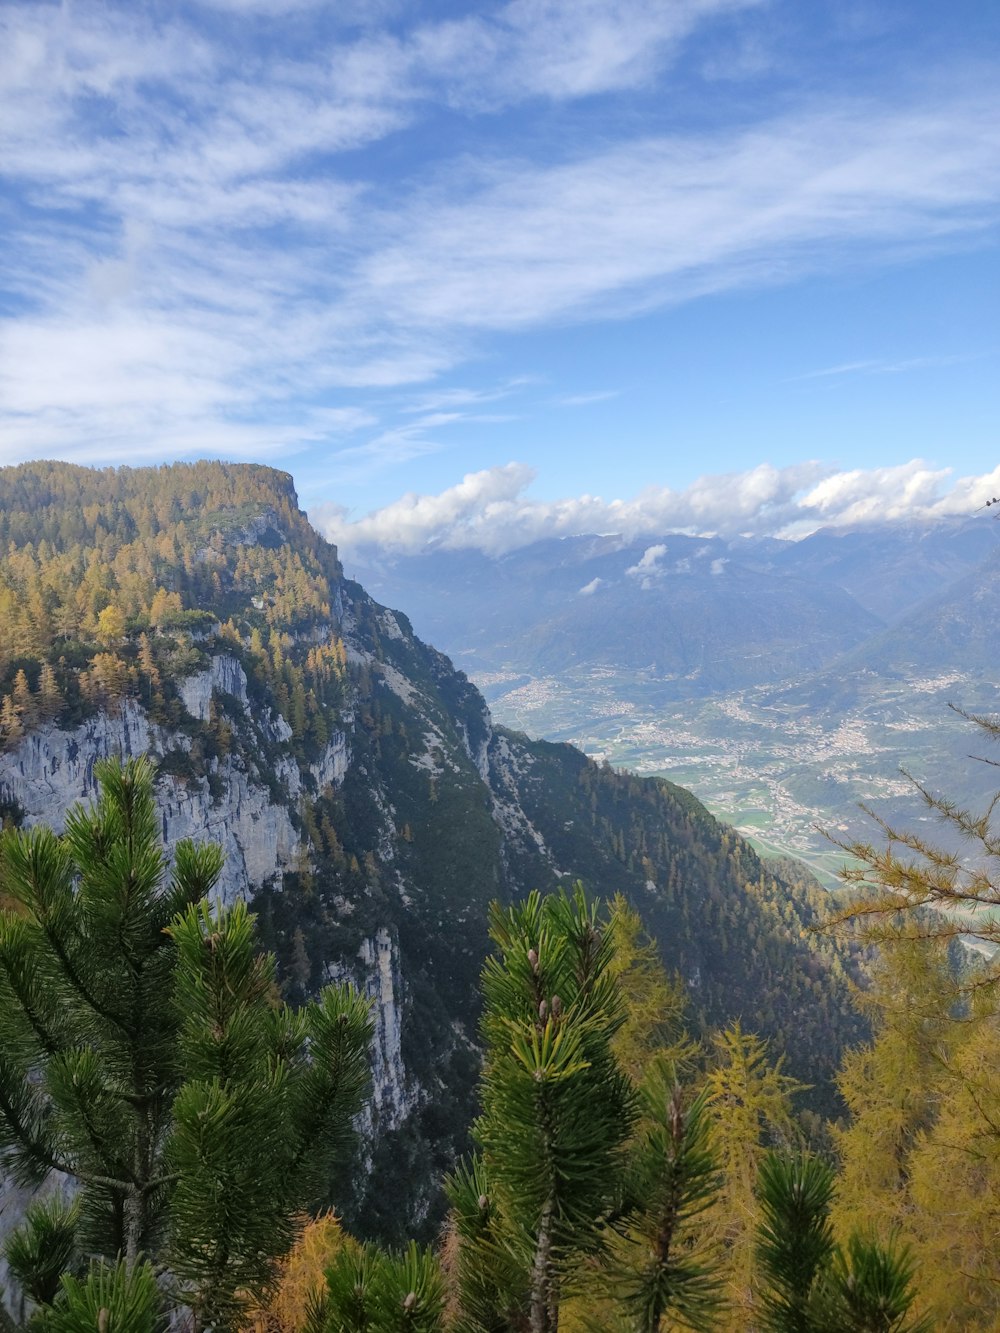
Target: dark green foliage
(348, 1303)
(43, 1247)
(807, 1283)
(87, 1031)
(145, 1054)
(585, 1187)
(263, 1113)
(869, 1290)
(490, 1280)
(557, 1110)
(111, 1299)
(795, 1240)
(371, 1291)
(660, 1268)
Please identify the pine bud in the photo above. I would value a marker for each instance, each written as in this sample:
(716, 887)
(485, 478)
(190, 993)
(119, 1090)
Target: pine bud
(410, 1301)
(533, 959)
(484, 1203)
(556, 1006)
(543, 1011)
(102, 1321)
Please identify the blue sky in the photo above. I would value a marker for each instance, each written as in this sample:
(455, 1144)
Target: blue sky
(476, 272)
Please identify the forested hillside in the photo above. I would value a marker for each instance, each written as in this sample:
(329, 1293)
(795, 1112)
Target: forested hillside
(109, 575)
(369, 807)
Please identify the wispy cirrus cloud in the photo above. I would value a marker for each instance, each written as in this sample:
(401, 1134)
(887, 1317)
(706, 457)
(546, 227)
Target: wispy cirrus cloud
(466, 398)
(199, 258)
(664, 219)
(586, 399)
(491, 511)
(885, 366)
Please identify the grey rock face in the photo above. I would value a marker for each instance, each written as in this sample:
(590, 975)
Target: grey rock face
(50, 770)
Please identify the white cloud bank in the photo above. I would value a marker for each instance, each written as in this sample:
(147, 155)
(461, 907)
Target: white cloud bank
(490, 510)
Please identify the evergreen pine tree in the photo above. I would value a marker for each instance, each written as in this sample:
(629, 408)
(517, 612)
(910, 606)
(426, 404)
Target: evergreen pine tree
(142, 1054)
(557, 1110)
(807, 1283)
(371, 1291)
(662, 1273)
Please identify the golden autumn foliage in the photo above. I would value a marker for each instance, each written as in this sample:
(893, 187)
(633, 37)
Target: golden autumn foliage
(920, 1152)
(116, 581)
(302, 1276)
(954, 1172)
(750, 1103)
(654, 1003)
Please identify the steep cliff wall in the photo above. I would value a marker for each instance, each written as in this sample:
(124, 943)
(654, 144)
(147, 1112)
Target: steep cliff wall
(252, 819)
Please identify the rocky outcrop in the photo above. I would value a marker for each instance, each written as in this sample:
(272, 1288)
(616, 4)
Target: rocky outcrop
(254, 830)
(376, 972)
(393, 1099)
(224, 675)
(50, 770)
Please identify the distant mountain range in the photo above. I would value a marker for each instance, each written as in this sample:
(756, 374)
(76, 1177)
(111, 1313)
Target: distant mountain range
(707, 613)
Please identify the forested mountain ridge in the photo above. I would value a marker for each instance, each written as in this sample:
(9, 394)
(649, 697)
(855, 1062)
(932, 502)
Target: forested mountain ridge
(365, 800)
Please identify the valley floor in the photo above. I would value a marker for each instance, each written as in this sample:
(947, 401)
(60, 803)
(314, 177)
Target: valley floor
(786, 771)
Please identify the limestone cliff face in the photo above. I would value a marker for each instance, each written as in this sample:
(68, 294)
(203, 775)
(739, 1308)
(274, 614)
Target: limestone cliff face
(233, 805)
(51, 769)
(376, 971)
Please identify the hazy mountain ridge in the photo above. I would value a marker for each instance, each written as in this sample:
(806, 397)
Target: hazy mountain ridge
(893, 567)
(718, 613)
(680, 607)
(369, 805)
